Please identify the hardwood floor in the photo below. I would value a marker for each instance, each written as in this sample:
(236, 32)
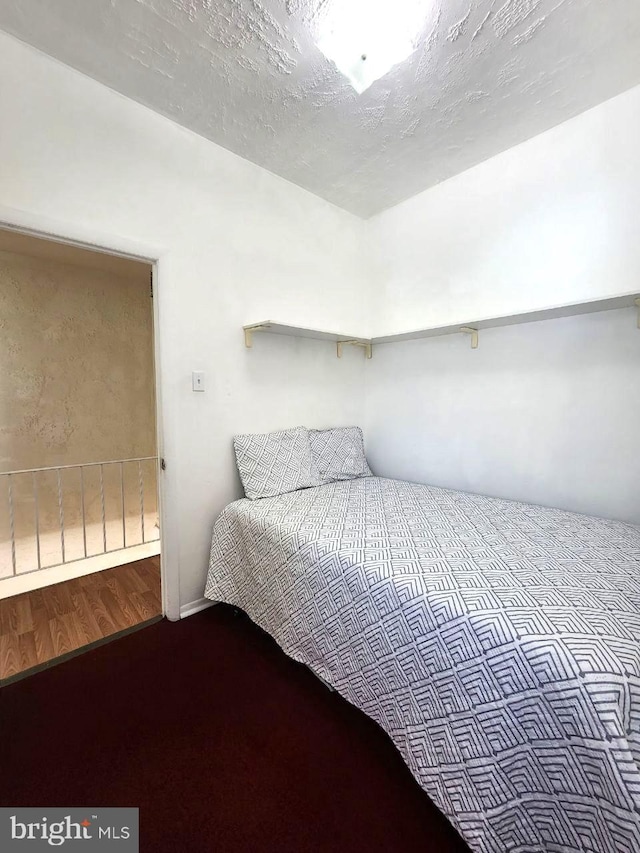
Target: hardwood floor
(39, 626)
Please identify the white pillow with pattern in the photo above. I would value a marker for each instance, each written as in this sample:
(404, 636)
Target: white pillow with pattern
(274, 463)
(338, 454)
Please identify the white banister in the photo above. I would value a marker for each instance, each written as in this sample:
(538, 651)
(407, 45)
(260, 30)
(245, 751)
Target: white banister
(112, 495)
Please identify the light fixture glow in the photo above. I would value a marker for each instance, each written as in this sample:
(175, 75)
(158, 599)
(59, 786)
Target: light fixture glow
(366, 38)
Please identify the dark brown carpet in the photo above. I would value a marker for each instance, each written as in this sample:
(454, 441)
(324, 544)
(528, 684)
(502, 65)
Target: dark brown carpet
(223, 742)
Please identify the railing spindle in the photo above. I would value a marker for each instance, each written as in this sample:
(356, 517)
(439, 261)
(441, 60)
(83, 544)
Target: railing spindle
(141, 488)
(37, 516)
(104, 523)
(61, 514)
(12, 526)
(84, 521)
(124, 526)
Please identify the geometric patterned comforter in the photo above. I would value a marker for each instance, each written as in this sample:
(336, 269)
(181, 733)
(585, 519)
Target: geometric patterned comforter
(497, 643)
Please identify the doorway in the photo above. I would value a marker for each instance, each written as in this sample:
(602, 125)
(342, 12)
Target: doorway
(80, 536)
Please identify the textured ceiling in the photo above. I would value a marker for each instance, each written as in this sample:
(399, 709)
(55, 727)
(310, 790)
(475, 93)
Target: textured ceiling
(246, 74)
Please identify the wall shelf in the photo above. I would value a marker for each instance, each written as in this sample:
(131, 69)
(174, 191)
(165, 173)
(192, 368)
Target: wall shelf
(471, 329)
(273, 328)
(627, 300)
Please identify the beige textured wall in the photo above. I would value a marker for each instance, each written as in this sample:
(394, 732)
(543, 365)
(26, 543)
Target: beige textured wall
(76, 378)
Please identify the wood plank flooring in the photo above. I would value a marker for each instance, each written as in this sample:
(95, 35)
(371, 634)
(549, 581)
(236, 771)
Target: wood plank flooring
(39, 626)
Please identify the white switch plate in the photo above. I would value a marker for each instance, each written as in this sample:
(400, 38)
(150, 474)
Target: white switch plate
(197, 380)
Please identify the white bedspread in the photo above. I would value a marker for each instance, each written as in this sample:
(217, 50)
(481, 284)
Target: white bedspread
(497, 643)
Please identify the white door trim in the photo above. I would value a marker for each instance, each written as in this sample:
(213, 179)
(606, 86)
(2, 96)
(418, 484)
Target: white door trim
(73, 234)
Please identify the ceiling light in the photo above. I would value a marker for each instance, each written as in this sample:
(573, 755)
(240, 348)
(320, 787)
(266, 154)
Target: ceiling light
(366, 38)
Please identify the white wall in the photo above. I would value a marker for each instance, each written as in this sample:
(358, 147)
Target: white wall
(547, 412)
(239, 245)
(551, 221)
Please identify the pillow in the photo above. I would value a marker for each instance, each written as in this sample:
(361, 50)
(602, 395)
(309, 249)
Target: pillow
(274, 463)
(338, 454)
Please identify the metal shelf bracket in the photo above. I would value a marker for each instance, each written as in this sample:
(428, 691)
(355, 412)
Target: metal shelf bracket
(366, 345)
(249, 330)
(467, 330)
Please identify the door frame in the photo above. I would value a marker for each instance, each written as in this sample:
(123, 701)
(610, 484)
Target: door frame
(58, 231)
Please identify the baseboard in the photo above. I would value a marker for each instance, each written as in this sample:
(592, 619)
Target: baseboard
(19, 584)
(195, 607)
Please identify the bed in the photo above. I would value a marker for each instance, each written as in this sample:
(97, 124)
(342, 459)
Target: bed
(497, 643)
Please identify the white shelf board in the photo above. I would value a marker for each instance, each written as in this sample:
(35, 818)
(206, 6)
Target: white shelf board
(626, 300)
(272, 328)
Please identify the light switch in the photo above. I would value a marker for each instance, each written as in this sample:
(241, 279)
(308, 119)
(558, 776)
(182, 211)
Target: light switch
(197, 380)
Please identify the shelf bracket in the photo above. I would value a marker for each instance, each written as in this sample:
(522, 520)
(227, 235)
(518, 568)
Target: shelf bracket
(467, 330)
(637, 302)
(366, 345)
(249, 330)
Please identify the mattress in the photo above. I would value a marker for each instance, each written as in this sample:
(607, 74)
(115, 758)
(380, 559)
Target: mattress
(497, 643)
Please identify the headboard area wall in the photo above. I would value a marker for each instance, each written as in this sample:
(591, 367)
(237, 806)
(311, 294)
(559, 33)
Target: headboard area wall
(545, 412)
